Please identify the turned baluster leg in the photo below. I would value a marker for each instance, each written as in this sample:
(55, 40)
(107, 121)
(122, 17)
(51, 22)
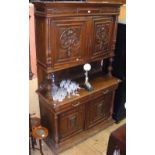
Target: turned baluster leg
(33, 142)
(110, 67)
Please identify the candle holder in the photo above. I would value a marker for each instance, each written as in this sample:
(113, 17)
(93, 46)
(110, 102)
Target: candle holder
(87, 85)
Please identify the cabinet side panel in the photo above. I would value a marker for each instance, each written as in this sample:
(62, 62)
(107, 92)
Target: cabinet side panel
(40, 40)
(47, 118)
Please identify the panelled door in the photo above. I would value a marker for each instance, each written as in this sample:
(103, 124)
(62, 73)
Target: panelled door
(101, 37)
(71, 122)
(99, 109)
(68, 41)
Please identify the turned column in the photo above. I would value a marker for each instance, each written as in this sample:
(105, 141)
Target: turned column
(56, 136)
(48, 87)
(110, 67)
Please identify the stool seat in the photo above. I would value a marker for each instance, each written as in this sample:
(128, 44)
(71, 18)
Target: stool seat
(39, 132)
(34, 121)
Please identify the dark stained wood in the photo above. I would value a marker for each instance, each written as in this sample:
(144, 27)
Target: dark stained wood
(70, 34)
(74, 140)
(56, 134)
(99, 108)
(121, 1)
(117, 141)
(71, 121)
(100, 84)
(69, 43)
(102, 32)
(78, 114)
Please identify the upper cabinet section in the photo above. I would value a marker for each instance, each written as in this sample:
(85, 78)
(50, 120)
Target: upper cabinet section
(69, 34)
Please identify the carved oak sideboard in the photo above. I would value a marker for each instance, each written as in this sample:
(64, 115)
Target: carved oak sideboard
(68, 35)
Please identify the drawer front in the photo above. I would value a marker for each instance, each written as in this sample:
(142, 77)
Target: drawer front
(99, 108)
(63, 11)
(71, 104)
(104, 92)
(71, 122)
(88, 11)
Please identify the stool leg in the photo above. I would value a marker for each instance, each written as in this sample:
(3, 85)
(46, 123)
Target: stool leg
(40, 143)
(29, 147)
(32, 141)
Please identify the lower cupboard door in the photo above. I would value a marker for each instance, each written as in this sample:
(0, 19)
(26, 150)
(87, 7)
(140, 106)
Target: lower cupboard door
(71, 122)
(99, 109)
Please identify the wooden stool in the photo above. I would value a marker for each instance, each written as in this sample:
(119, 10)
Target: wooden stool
(33, 123)
(40, 133)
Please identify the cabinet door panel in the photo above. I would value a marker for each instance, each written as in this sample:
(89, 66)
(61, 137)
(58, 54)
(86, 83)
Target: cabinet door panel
(71, 122)
(99, 109)
(68, 42)
(102, 35)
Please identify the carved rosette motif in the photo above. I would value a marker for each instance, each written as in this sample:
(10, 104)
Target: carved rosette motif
(70, 38)
(102, 36)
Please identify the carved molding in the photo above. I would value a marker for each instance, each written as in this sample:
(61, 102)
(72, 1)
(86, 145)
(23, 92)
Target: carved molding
(49, 62)
(69, 39)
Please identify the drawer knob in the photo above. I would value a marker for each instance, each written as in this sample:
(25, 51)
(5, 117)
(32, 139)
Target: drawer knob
(75, 104)
(105, 92)
(89, 11)
(77, 59)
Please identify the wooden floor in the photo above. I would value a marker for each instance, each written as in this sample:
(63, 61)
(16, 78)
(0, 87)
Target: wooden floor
(95, 145)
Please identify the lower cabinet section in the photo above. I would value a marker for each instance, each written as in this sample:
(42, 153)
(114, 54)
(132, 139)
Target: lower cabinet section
(71, 121)
(66, 126)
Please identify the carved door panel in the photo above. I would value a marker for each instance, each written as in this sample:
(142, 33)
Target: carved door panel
(99, 109)
(102, 36)
(71, 122)
(68, 42)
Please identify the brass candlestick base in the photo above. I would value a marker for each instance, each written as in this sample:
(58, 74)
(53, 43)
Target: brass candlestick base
(88, 86)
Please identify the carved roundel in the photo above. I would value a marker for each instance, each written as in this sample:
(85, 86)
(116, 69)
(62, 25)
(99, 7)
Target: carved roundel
(69, 38)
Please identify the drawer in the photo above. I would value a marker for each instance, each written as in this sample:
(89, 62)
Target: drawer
(88, 11)
(64, 11)
(72, 109)
(71, 105)
(103, 92)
